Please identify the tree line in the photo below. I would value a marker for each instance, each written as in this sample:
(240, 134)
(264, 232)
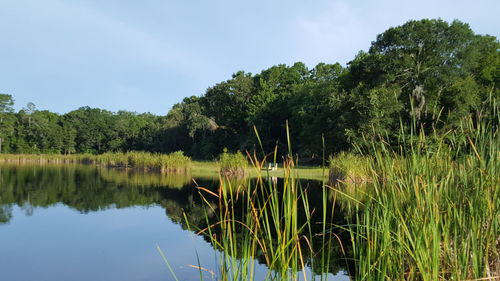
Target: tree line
(427, 74)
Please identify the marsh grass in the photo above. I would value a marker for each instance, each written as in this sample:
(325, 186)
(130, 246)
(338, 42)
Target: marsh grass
(233, 164)
(173, 162)
(434, 213)
(350, 168)
(270, 222)
(430, 211)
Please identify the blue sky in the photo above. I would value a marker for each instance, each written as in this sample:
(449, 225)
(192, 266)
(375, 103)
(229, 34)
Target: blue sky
(145, 56)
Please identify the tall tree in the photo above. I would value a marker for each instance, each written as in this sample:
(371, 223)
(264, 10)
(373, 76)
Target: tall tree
(30, 109)
(6, 118)
(431, 66)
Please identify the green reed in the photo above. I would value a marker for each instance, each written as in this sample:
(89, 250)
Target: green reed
(232, 164)
(173, 162)
(430, 211)
(350, 168)
(434, 213)
(270, 222)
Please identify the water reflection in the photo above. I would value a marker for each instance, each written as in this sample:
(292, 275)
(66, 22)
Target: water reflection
(89, 189)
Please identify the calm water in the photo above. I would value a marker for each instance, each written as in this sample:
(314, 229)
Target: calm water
(87, 223)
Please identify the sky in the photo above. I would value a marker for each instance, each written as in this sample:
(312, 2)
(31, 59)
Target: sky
(145, 56)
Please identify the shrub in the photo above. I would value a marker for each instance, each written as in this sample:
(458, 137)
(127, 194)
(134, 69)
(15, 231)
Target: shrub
(349, 168)
(234, 164)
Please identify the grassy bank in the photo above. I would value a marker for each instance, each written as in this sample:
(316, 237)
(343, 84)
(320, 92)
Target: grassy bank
(210, 169)
(155, 162)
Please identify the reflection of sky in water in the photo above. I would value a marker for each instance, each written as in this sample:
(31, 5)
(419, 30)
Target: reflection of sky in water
(58, 243)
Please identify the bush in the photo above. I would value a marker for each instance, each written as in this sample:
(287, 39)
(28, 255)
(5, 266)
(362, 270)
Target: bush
(349, 168)
(232, 163)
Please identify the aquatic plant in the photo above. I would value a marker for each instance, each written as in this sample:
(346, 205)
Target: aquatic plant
(232, 164)
(349, 168)
(270, 222)
(173, 162)
(434, 213)
(428, 212)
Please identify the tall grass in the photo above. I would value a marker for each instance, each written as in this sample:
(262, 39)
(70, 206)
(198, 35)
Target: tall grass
(270, 222)
(427, 212)
(350, 168)
(433, 214)
(173, 162)
(233, 164)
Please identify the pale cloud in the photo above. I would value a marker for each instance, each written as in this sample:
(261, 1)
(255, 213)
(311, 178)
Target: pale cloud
(334, 33)
(82, 30)
(56, 49)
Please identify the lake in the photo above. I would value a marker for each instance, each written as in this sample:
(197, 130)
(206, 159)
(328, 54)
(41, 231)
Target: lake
(75, 222)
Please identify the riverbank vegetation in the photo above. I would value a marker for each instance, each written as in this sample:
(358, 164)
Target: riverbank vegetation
(233, 164)
(433, 213)
(173, 162)
(197, 169)
(430, 213)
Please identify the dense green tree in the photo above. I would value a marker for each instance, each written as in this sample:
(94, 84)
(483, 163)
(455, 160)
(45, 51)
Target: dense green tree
(68, 138)
(316, 112)
(412, 55)
(429, 71)
(93, 128)
(7, 119)
(43, 132)
(268, 107)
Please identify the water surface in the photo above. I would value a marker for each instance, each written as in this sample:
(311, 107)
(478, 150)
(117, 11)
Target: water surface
(88, 223)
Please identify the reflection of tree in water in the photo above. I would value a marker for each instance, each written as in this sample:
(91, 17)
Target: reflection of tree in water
(5, 213)
(27, 208)
(87, 189)
(187, 204)
(82, 188)
(139, 178)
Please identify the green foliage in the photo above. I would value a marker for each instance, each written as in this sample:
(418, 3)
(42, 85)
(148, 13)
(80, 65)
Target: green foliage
(173, 162)
(273, 223)
(435, 65)
(233, 164)
(431, 214)
(350, 168)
